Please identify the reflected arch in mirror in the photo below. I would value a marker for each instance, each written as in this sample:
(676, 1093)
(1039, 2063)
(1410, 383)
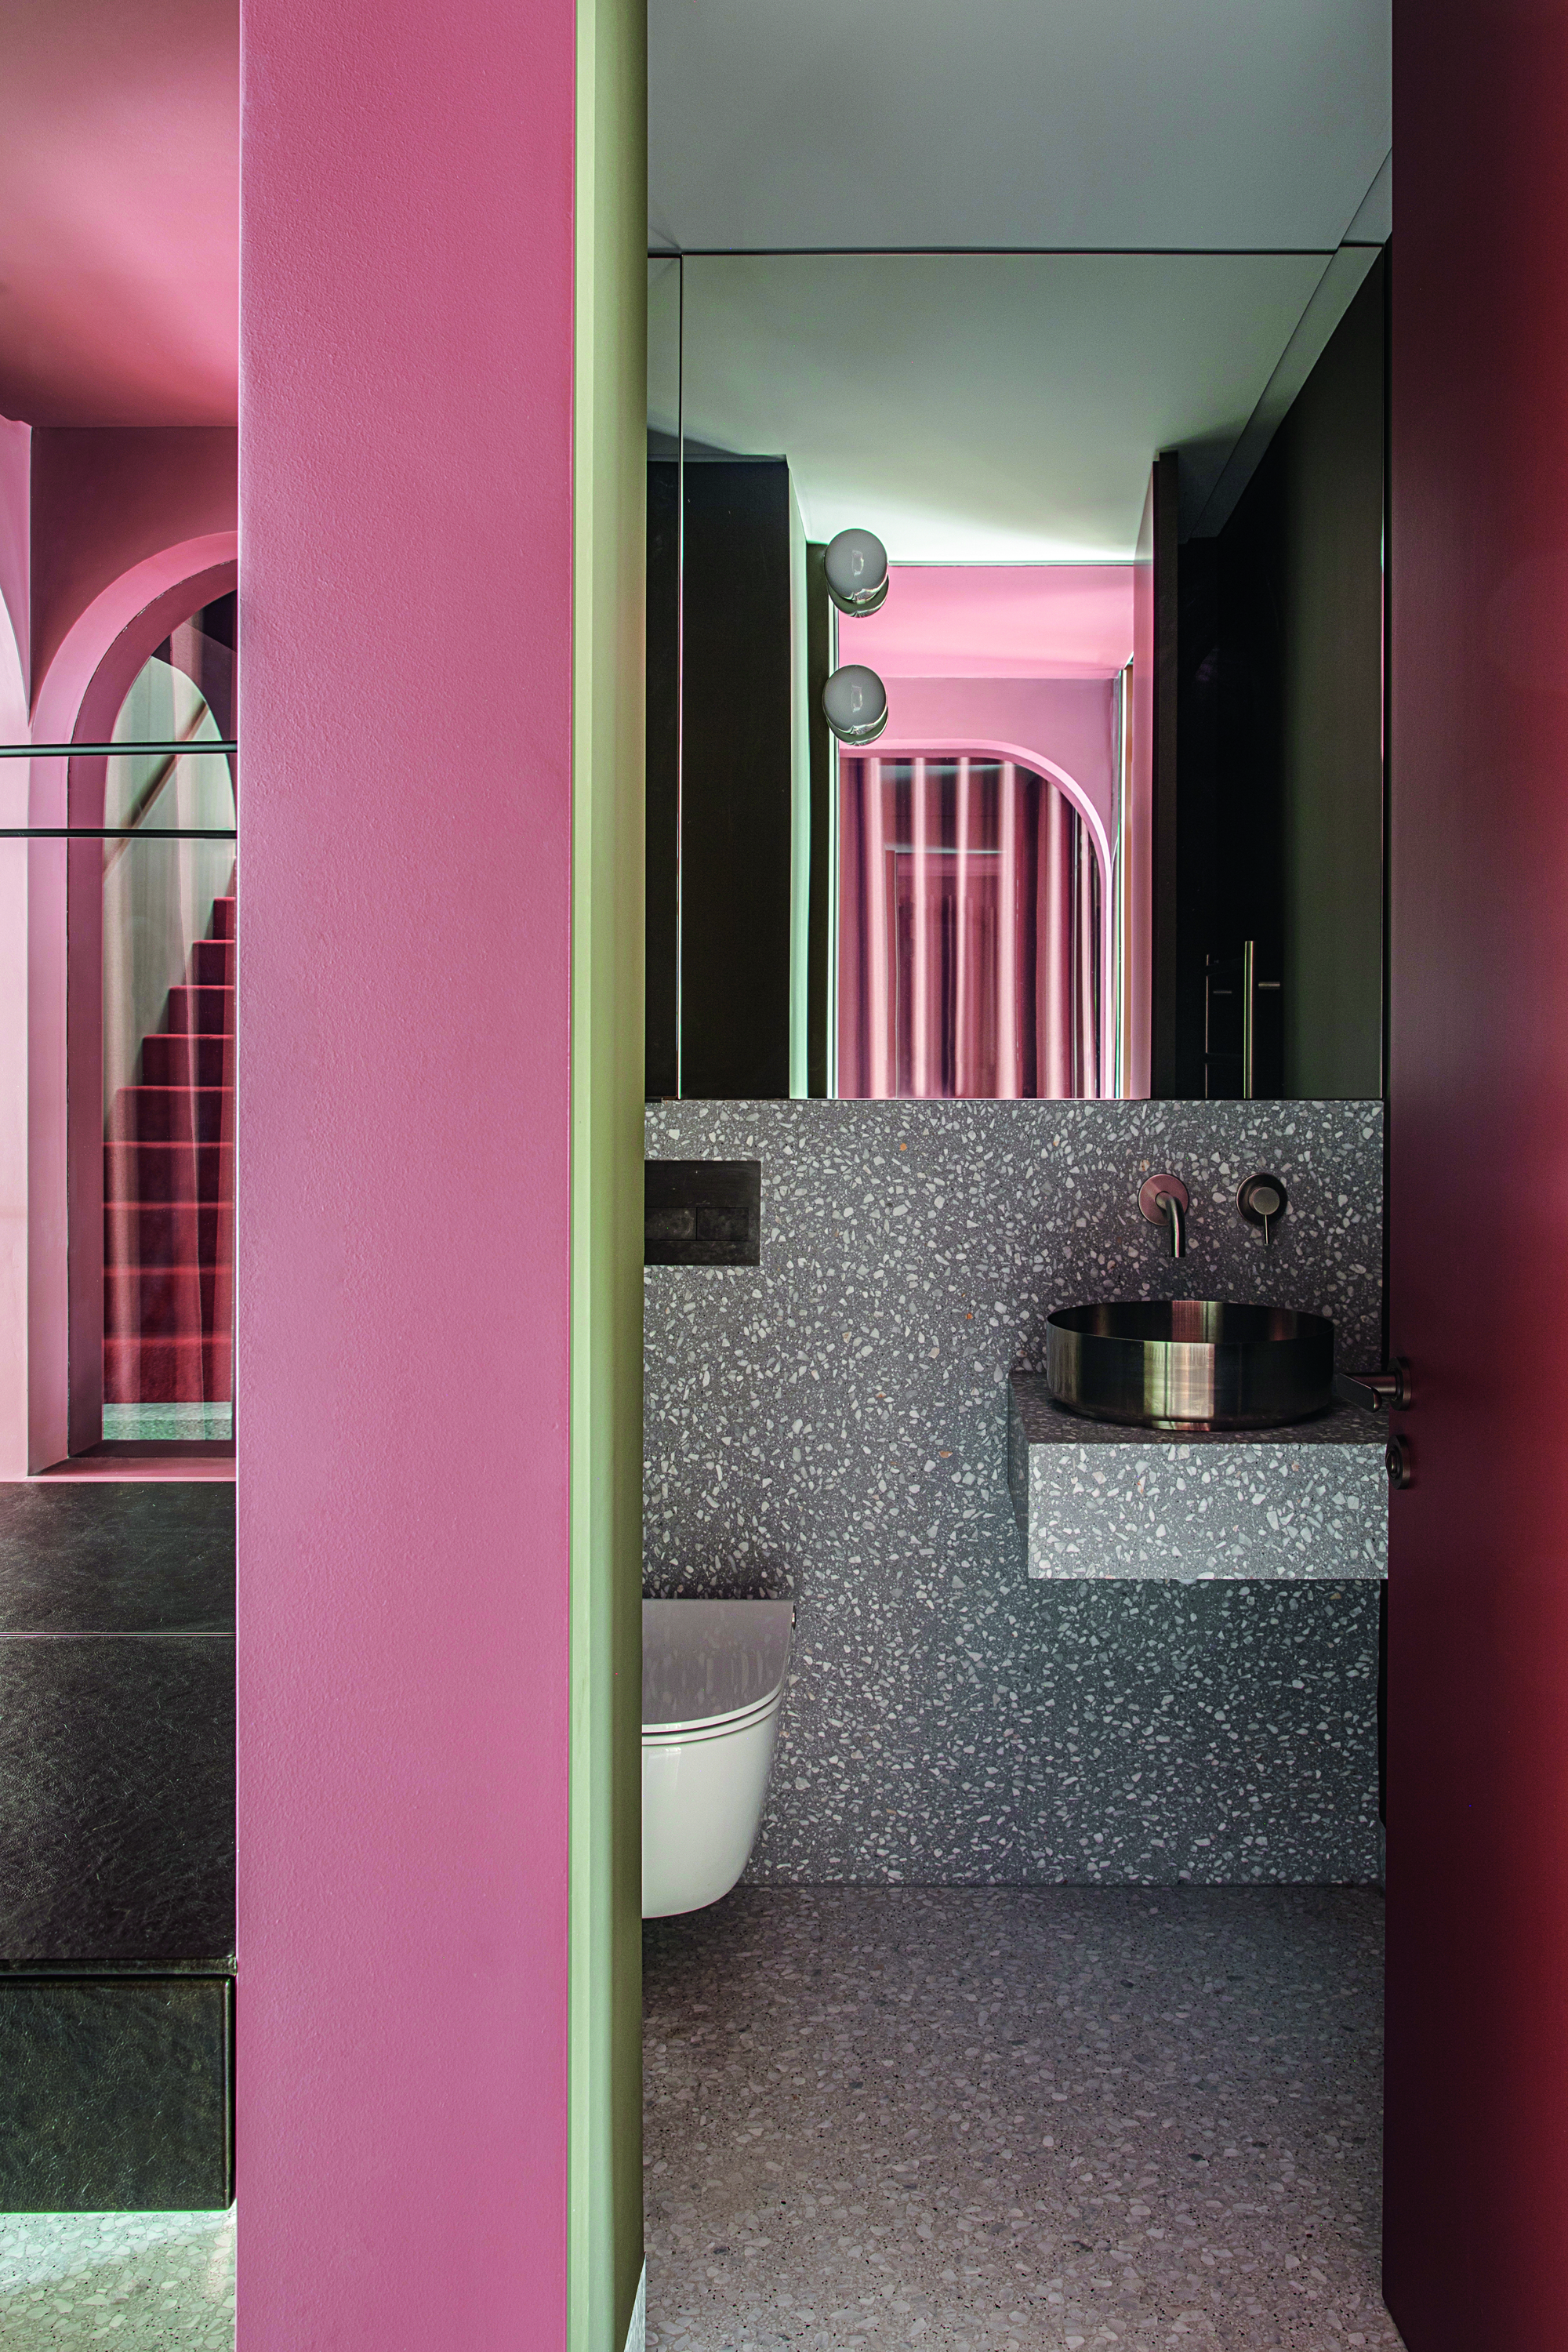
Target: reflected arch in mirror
(1096, 840)
(970, 963)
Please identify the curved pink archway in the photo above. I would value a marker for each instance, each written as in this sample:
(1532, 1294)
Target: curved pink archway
(78, 701)
(974, 747)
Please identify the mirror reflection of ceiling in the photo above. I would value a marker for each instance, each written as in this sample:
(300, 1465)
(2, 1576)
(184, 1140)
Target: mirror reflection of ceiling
(1214, 180)
(983, 408)
(1143, 124)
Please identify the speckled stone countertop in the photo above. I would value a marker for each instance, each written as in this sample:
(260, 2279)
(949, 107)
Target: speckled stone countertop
(1096, 1498)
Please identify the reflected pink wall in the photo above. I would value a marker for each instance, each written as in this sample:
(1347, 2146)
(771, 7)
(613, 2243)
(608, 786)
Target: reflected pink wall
(1019, 653)
(998, 620)
(402, 1224)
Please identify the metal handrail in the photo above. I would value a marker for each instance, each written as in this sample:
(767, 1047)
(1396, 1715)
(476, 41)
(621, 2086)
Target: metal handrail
(118, 833)
(189, 748)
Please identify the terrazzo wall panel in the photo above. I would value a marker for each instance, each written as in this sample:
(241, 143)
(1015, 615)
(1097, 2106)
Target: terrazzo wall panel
(832, 1425)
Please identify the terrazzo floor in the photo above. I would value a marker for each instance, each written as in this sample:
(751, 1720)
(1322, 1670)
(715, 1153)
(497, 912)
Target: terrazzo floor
(160, 2280)
(1016, 2119)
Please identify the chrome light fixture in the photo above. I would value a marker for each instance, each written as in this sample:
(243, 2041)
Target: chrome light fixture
(856, 567)
(855, 703)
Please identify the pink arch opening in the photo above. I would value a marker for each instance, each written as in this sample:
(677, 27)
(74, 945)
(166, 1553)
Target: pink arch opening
(78, 701)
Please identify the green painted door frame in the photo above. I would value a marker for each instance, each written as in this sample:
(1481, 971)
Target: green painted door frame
(605, 2213)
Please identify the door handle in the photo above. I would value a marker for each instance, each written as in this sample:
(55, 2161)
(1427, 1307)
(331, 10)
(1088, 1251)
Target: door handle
(1388, 1391)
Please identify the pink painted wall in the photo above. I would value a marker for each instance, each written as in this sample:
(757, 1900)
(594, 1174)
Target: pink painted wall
(999, 620)
(106, 499)
(14, 495)
(1022, 655)
(403, 1227)
(16, 554)
(119, 140)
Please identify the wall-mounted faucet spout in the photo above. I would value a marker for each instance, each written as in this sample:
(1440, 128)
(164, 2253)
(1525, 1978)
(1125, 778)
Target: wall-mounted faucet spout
(1163, 1200)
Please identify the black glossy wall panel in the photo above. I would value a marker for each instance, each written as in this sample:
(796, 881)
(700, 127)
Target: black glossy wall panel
(736, 781)
(101, 1557)
(114, 2096)
(116, 1797)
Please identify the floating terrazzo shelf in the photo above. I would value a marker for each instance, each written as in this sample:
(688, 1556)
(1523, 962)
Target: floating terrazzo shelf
(1093, 1498)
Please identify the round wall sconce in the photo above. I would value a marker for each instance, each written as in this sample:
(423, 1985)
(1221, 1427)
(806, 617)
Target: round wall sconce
(856, 567)
(855, 703)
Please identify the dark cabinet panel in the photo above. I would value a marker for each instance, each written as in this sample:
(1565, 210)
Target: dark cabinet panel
(86, 1556)
(115, 2094)
(116, 1797)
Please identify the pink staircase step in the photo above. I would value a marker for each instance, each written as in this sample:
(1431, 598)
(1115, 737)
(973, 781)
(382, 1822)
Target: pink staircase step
(201, 1059)
(168, 1187)
(212, 963)
(167, 1301)
(208, 1010)
(168, 1232)
(167, 1371)
(172, 1114)
(168, 1172)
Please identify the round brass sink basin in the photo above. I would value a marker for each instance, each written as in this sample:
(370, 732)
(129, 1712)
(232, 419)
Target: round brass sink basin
(1190, 1363)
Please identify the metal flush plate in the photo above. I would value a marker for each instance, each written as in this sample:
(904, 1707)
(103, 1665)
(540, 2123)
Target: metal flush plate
(702, 1212)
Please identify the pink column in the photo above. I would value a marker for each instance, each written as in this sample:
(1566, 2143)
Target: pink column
(1053, 934)
(1086, 949)
(925, 917)
(1007, 932)
(966, 1024)
(403, 1231)
(879, 1076)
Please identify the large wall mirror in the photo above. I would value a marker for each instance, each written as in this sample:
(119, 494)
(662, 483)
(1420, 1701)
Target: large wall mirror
(1119, 832)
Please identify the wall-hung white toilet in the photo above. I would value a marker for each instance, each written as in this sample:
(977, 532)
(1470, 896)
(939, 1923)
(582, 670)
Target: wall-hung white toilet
(712, 1679)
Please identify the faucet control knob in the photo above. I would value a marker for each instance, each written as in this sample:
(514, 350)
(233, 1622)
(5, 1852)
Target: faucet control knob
(1163, 1200)
(1261, 1198)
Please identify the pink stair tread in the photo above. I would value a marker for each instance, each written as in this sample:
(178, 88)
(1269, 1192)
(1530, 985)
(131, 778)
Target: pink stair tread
(168, 1186)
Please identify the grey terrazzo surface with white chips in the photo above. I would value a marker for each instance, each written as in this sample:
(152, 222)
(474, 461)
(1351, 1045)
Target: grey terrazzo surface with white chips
(1097, 1499)
(1015, 2120)
(832, 1425)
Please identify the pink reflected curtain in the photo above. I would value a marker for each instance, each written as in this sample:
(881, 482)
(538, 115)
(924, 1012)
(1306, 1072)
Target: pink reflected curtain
(968, 931)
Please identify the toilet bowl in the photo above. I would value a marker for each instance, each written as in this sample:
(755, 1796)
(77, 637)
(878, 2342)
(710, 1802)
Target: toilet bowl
(712, 1678)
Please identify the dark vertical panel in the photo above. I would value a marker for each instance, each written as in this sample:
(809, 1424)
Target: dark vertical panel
(824, 775)
(1247, 898)
(1197, 844)
(1475, 2253)
(1281, 752)
(1138, 843)
(735, 782)
(1332, 455)
(662, 770)
(1166, 907)
(115, 2094)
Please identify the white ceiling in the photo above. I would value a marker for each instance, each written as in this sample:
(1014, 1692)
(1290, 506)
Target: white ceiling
(982, 408)
(1204, 158)
(1107, 124)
